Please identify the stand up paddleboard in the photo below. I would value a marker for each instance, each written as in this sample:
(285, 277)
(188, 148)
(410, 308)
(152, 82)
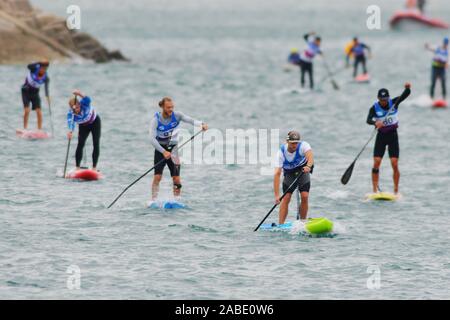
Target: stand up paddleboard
(382, 196)
(312, 226)
(362, 78)
(402, 19)
(439, 103)
(32, 134)
(173, 204)
(84, 174)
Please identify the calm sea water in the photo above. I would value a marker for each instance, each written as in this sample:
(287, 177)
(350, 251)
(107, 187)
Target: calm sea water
(222, 62)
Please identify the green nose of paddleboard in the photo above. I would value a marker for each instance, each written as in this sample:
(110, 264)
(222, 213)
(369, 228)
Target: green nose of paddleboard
(319, 225)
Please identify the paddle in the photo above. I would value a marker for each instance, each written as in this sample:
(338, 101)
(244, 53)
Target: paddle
(276, 204)
(297, 193)
(348, 173)
(330, 75)
(68, 147)
(148, 171)
(50, 112)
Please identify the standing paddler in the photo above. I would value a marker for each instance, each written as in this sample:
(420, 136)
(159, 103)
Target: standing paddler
(295, 159)
(384, 116)
(439, 66)
(164, 129)
(36, 77)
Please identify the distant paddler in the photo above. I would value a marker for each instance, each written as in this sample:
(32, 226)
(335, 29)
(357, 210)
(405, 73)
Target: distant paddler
(164, 128)
(439, 66)
(357, 50)
(307, 56)
(384, 116)
(36, 77)
(295, 159)
(82, 112)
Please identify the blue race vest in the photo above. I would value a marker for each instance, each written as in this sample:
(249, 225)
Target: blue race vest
(297, 162)
(164, 131)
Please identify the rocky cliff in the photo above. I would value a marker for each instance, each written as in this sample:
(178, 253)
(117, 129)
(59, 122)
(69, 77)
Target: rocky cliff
(28, 34)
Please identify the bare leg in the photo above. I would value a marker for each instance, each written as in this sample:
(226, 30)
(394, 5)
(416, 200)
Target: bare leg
(155, 185)
(396, 176)
(304, 205)
(176, 191)
(39, 118)
(376, 175)
(284, 208)
(26, 115)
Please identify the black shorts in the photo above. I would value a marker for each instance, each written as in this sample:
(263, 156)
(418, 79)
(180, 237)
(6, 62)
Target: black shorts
(31, 96)
(303, 183)
(389, 139)
(174, 168)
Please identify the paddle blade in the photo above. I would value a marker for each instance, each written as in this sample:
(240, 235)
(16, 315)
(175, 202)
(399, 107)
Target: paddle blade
(335, 85)
(348, 173)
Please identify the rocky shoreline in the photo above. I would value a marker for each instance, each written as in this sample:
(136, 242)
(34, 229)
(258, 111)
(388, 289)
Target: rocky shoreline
(28, 34)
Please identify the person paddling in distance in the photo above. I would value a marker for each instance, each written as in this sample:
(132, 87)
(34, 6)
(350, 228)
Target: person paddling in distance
(164, 128)
(83, 113)
(385, 118)
(358, 51)
(307, 57)
(37, 76)
(293, 159)
(439, 66)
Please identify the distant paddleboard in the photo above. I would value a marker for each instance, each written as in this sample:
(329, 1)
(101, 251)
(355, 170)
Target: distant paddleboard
(32, 134)
(439, 103)
(382, 196)
(363, 78)
(412, 18)
(312, 226)
(173, 204)
(84, 174)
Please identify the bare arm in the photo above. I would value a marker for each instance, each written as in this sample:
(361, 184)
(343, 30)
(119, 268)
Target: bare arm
(276, 184)
(310, 158)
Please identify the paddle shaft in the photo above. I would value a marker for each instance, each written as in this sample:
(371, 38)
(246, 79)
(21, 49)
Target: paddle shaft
(148, 171)
(276, 204)
(50, 112)
(68, 145)
(333, 82)
(67, 157)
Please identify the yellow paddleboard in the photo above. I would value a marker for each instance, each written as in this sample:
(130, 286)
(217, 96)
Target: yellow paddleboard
(384, 196)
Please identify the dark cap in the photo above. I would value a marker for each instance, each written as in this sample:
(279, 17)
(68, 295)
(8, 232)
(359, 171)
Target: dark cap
(293, 136)
(383, 94)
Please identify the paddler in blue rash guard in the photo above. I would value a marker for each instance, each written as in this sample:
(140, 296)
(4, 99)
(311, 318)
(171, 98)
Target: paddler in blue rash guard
(83, 113)
(358, 52)
(307, 56)
(164, 129)
(439, 66)
(36, 77)
(293, 159)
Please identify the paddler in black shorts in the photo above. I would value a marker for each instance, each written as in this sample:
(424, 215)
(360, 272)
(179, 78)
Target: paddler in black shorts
(386, 121)
(295, 159)
(36, 77)
(164, 129)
